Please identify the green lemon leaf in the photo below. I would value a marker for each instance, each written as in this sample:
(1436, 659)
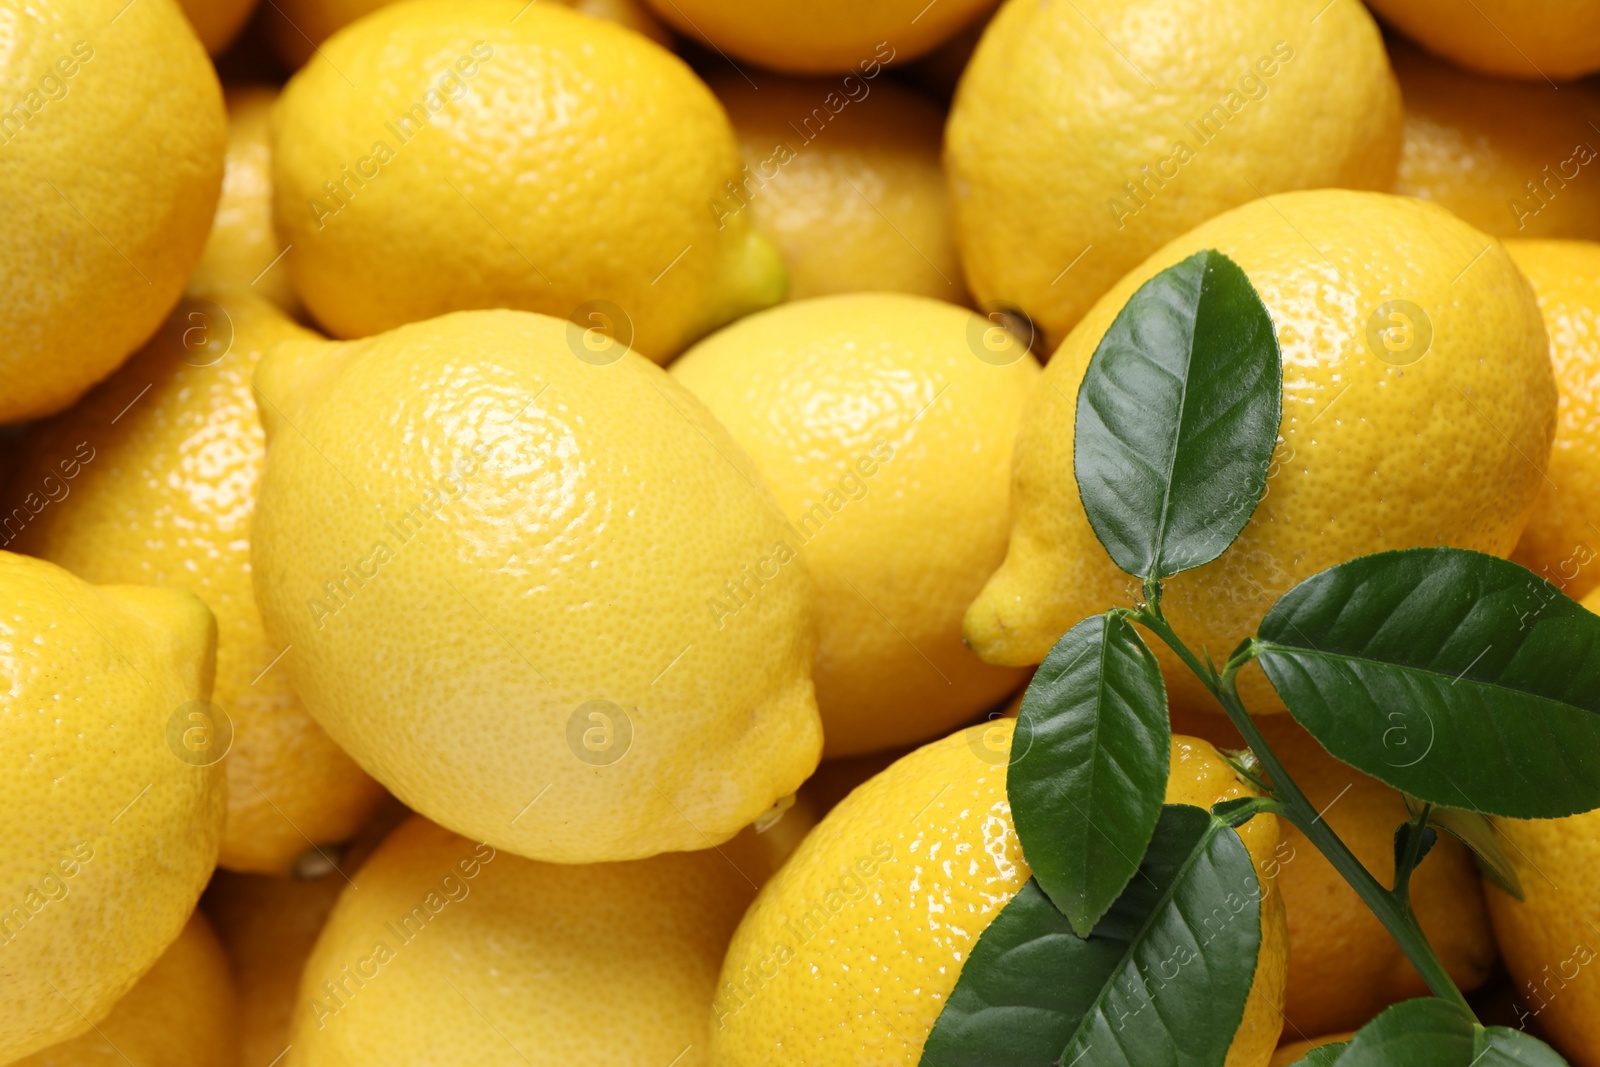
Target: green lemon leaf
(1501, 1046)
(1322, 1055)
(1456, 677)
(1478, 834)
(1177, 418)
(1434, 1033)
(1161, 982)
(1088, 788)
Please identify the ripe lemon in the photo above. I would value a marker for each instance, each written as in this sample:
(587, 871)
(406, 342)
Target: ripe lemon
(850, 951)
(488, 553)
(1514, 159)
(217, 22)
(883, 425)
(451, 952)
(1417, 401)
(821, 37)
(1085, 136)
(168, 501)
(845, 179)
(244, 251)
(1561, 543)
(113, 147)
(112, 827)
(295, 28)
(182, 1013)
(1533, 39)
(506, 155)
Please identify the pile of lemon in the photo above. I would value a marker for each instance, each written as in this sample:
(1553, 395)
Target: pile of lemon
(523, 518)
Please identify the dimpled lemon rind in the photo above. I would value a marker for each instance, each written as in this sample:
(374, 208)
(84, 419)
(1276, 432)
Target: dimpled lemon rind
(1374, 452)
(492, 561)
(110, 162)
(883, 425)
(1084, 136)
(168, 501)
(497, 154)
(452, 952)
(110, 835)
(851, 950)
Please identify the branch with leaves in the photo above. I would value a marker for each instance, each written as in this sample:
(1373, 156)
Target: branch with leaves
(1177, 420)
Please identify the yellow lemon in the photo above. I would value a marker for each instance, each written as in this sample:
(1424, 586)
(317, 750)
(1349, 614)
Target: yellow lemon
(295, 28)
(506, 155)
(180, 1014)
(167, 501)
(243, 250)
(1561, 543)
(217, 22)
(883, 424)
(1418, 408)
(1534, 39)
(823, 36)
(844, 177)
(1515, 159)
(449, 951)
(851, 950)
(486, 552)
(112, 141)
(1085, 136)
(112, 827)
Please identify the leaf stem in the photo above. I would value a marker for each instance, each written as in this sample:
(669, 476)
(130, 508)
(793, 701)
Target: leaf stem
(1392, 908)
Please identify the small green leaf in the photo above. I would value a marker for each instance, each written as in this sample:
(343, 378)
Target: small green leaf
(1501, 1046)
(1403, 835)
(1427, 1032)
(1478, 834)
(1086, 792)
(1177, 418)
(1456, 677)
(1161, 982)
(1322, 1055)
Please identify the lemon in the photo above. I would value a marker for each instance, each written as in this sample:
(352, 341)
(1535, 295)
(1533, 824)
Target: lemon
(493, 562)
(1418, 403)
(506, 155)
(850, 951)
(243, 250)
(217, 22)
(1560, 543)
(1533, 39)
(448, 951)
(180, 1014)
(883, 424)
(1515, 159)
(295, 28)
(168, 501)
(823, 36)
(112, 146)
(112, 829)
(1085, 136)
(846, 181)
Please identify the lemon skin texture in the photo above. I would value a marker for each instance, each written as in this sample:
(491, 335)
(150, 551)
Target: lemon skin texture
(294, 28)
(886, 439)
(110, 835)
(168, 502)
(110, 164)
(821, 37)
(243, 250)
(491, 959)
(1475, 145)
(850, 951)
(182, 1013)
(469, 536)
(1559, 543)
(564, 161)
(852, 193)
(1534, 39)
(217, 22)
(1373, 453)
(1085, 136)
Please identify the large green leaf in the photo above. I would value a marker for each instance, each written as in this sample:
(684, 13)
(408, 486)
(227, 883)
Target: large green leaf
(1177, 418)
(1456, 677)
(1161, 982)
(1087, 790)
(1434, 1033)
